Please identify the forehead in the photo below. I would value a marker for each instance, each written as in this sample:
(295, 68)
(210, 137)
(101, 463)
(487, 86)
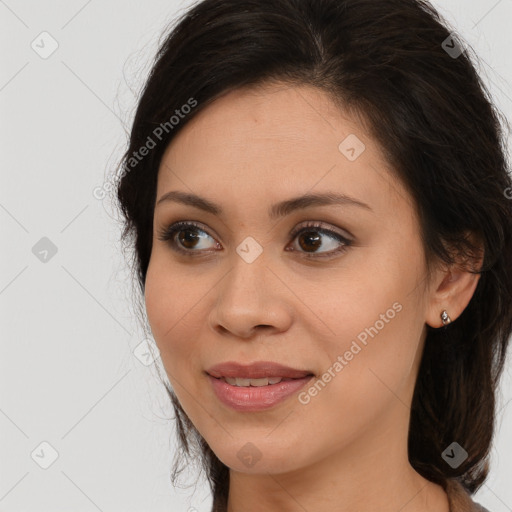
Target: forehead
(274, 140)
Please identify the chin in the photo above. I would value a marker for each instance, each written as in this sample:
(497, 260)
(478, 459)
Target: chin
(258, 455)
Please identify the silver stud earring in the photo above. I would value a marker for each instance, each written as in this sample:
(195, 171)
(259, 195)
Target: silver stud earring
(445, 318)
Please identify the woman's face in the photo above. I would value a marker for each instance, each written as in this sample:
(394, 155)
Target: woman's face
(244, 289)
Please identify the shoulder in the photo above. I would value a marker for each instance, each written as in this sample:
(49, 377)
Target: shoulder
(459, 498)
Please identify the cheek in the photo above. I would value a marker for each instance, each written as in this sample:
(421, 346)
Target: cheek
(372, 309)
(173, 318)
(362, 384)
(377, 327)
(157, 302)
(170, 313)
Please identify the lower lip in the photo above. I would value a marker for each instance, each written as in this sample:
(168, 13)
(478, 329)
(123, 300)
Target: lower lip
(256, 398)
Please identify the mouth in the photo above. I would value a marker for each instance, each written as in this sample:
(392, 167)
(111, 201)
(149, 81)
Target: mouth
(257, 386)
(242, 382)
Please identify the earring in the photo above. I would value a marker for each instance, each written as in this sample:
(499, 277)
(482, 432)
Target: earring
(445, 318)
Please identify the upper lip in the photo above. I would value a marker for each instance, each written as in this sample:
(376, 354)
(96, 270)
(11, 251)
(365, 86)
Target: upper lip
(256, 370)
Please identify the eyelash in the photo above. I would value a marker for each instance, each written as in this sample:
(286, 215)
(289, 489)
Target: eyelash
(168, 235)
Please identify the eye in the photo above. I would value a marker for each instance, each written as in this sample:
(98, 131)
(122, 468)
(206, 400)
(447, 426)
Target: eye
(187, 237)
(310, 237)
(189, 234)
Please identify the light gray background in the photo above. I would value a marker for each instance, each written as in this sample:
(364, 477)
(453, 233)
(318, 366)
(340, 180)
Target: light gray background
(73, 372)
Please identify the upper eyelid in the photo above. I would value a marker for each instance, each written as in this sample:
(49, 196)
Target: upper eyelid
(322, 226)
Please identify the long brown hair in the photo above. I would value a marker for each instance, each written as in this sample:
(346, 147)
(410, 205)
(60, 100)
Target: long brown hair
(397, 63)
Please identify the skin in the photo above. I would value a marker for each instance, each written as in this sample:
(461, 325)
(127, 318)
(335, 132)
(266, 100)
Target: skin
(346, 450)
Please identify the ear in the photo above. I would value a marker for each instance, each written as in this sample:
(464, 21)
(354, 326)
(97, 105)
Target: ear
(454, 286)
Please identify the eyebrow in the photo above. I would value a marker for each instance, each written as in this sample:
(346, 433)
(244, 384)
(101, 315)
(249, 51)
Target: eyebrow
(276, 211)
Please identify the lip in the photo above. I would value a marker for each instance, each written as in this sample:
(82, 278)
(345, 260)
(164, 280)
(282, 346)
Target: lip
(256, 370)
(256, 398)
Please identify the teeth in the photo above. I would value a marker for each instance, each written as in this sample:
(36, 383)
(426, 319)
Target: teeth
(253, 382)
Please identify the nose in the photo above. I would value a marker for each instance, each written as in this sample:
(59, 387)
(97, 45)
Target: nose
(251, 297)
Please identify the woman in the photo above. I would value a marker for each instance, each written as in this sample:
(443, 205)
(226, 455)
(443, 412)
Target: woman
(316, 196)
